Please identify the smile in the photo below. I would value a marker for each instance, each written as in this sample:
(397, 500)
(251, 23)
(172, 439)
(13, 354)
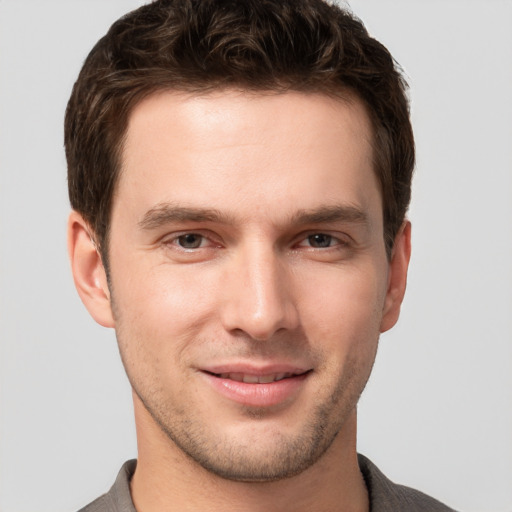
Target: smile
(255, 379)
(257, 387)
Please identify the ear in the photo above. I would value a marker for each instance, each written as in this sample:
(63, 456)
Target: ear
(88, 271)
(397, 277)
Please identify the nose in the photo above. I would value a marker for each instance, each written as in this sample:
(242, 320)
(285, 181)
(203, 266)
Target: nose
(258, 295)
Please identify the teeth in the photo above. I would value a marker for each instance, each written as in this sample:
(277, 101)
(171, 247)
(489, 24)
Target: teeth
(255, 379)
(250, 379)
(265, 379)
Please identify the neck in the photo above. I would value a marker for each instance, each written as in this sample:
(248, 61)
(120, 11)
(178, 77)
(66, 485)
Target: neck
(167, 480)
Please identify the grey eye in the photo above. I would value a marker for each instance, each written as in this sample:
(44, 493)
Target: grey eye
(320, 240)
(190, 241)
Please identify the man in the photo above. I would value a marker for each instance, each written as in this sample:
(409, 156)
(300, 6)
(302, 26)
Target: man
(239, 173)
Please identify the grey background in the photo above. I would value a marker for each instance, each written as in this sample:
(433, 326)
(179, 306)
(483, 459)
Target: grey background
(437, 413)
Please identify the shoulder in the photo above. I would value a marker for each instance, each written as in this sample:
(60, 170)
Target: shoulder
(386, 496)
(118, 498)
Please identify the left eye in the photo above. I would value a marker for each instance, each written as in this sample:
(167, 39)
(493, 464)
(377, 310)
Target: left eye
(190, 241)
(320, 241)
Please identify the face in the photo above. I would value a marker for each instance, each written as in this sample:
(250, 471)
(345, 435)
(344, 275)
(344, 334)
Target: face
(248, 275)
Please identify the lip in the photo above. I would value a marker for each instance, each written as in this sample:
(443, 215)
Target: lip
(266, 394)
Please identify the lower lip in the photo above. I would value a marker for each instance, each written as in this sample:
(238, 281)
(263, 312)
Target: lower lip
(257, 395)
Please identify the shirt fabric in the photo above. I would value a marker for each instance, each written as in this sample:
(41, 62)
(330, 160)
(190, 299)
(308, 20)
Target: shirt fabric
(384, 495)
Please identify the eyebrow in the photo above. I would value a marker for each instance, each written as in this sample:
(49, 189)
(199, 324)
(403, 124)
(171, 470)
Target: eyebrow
(165, 213)
(327, 214)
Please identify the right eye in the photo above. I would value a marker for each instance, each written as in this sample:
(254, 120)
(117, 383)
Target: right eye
(191, 241)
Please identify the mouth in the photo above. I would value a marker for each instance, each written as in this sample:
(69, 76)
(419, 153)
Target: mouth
(258, 387)
(248, 378)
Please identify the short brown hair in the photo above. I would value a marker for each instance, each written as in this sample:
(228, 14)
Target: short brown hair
(202, 45)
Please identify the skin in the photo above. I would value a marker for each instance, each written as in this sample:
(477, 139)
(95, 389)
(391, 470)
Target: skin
(247, 230)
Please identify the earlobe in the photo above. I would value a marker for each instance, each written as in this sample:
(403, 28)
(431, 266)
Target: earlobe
(397, 278)
(88, 271)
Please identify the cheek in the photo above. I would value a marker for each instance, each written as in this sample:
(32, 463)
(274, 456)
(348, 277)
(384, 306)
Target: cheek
(157, 315)
(343, 311)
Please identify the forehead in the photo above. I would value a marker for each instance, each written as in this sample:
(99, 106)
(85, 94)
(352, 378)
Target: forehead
(242, 113)
(248, 150)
